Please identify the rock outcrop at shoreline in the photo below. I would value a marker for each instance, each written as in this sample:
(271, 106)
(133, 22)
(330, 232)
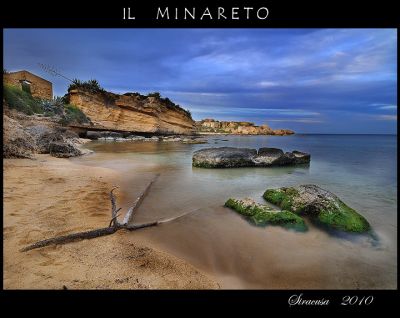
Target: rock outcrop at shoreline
(17, 142)
(229, 157)
(319, 204)
(132, 112)
(24, 136)
(238, 128)
(127, 137)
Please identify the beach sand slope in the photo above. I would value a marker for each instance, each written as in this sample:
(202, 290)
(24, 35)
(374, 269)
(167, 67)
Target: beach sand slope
(51, 196)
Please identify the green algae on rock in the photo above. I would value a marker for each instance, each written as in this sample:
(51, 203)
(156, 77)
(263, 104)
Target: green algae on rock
(320, 204)
(262, 215)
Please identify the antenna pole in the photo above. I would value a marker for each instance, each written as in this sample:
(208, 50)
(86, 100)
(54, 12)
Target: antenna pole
(52, 71)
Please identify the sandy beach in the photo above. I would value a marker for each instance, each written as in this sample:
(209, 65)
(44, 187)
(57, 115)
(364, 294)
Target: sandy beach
(51, 196)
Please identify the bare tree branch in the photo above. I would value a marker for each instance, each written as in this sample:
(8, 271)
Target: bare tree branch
(113, 202)
(113, 220)
(71, 238)
(138, 202)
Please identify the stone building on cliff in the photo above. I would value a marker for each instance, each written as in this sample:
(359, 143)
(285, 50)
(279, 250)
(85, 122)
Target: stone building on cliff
(37, 86)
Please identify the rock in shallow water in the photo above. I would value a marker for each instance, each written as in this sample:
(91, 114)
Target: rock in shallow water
(320, 204)
(229, 157)
(224, 157)
(260, 214)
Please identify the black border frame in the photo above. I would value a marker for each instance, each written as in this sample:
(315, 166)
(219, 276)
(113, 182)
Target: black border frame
(283, 14)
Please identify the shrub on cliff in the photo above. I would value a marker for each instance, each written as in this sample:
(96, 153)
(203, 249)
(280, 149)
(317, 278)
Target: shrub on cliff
(90, 85)
(22, 101)
(154, 94)
(73, 114)
(53, 107)
(60, 107)
(94, 87)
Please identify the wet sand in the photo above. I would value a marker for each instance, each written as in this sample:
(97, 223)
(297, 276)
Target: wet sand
(51, 196)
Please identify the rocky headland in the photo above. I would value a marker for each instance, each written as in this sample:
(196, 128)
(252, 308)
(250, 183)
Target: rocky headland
(212, 126)
(132, 112)
(230, 157)
(88, 112)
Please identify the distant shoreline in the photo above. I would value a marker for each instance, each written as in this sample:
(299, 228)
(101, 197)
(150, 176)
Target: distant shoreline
(319, 134)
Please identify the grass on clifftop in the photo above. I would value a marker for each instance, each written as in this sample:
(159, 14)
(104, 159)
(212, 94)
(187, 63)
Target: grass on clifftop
(22, 101)
(263, 215)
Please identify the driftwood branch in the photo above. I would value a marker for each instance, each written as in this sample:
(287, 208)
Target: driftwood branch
(114, 225)
(138, 202)
(113, 220)
(114, 209)
(71, 238)
(59, 240)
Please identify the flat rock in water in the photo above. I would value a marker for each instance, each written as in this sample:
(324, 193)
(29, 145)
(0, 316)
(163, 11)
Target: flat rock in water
(224, 157)
(230, 157)
(320, 204)
(301, 157)
(270, 156)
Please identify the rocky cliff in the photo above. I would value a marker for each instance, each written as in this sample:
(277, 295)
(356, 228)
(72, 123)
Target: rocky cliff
(236, 127)
(132, 112)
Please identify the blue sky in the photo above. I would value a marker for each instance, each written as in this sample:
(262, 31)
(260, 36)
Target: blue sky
(308, 80)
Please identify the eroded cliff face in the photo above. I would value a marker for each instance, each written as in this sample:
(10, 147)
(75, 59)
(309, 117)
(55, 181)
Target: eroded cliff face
(132, 112)
(236, 127)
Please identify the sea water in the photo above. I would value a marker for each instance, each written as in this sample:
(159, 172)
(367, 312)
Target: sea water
(360, 169)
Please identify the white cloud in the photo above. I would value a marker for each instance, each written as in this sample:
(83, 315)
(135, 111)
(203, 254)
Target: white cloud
(298, 120)
(268, 84)
(250, 110)
(384, 106)
(195, 93)
(388, 107)
(387, 117)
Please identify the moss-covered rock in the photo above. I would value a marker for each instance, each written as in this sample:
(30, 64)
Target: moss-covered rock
(262, 215)
(320, 204)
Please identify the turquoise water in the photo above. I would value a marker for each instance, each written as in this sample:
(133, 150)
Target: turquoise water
(360, 169)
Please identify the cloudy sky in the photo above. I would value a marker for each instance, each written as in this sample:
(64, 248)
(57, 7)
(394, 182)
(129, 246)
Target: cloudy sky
(308, 80)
